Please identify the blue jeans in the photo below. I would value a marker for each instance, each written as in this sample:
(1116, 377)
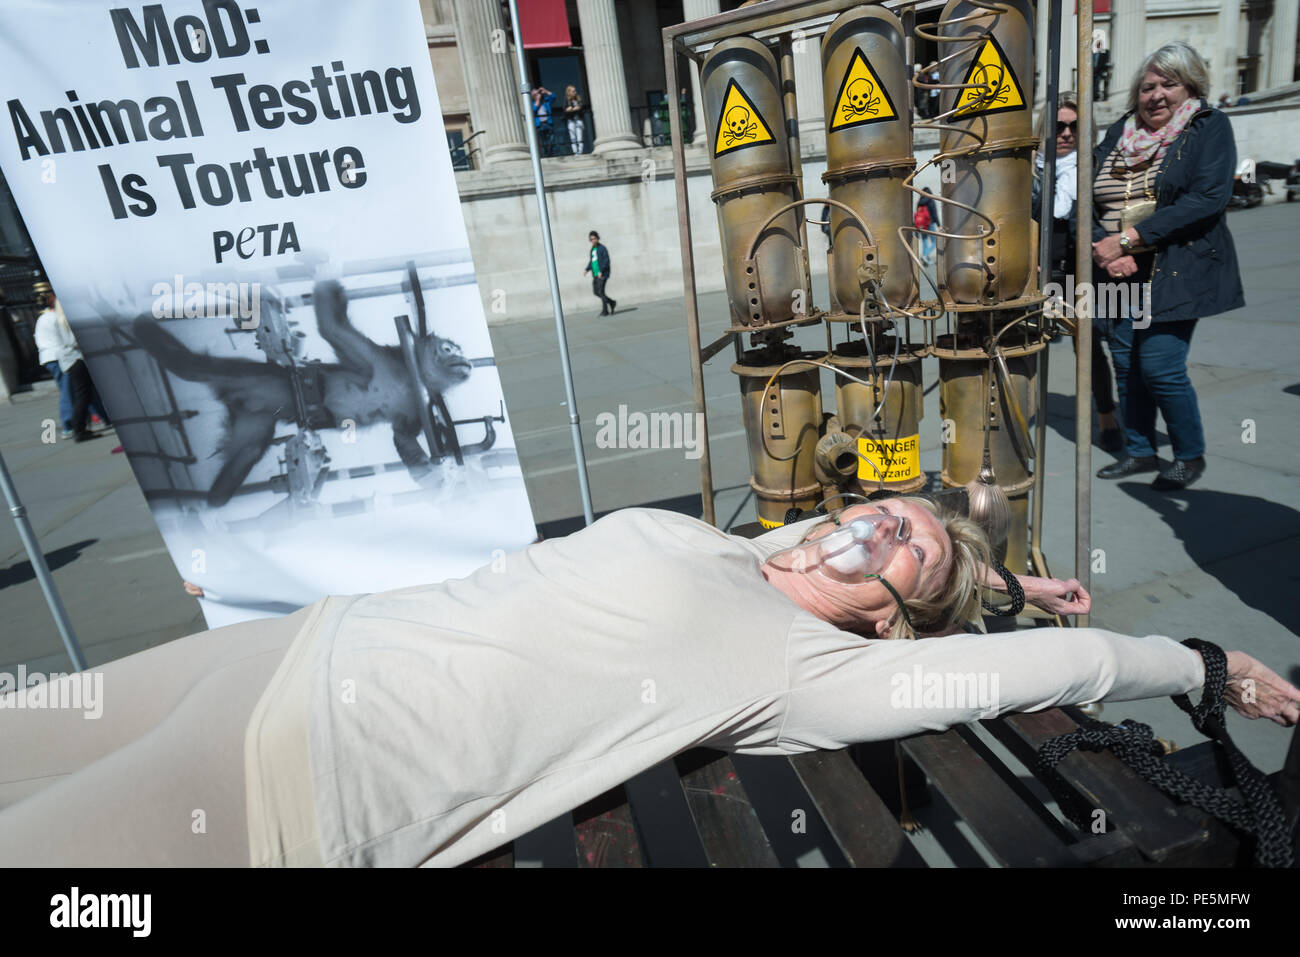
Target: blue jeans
(927, 243)
(1151, 374)
(65, 395)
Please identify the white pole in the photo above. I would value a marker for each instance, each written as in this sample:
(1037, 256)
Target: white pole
(579, 456)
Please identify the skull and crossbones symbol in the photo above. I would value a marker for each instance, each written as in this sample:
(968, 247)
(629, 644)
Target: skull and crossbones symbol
(860, 99)
(990, 76)
(739, 126)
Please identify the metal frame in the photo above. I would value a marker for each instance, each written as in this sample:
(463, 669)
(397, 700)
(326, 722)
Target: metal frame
(774, 19)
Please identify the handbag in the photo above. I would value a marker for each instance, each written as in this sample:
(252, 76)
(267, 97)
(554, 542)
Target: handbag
(1135, 211)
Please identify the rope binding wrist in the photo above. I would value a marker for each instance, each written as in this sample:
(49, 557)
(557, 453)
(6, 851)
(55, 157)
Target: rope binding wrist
(1013, 589)
(1207, 717)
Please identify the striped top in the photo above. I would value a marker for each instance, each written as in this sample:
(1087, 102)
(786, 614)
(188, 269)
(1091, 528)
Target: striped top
(1111, 184)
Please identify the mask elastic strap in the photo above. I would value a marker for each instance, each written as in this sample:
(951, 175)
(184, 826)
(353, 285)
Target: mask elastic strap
(907, 619)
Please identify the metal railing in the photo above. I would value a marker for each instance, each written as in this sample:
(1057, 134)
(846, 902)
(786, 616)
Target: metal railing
(651, 124)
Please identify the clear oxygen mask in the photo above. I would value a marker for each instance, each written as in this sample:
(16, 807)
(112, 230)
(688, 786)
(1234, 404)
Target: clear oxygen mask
(851, 552)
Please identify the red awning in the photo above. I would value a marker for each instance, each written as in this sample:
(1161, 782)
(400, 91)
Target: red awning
(544, 23)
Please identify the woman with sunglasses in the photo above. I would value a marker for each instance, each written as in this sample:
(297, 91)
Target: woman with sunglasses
(430, 725)
(1162, 181)
(1064, 208)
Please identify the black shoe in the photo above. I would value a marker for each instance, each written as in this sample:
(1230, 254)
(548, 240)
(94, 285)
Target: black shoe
(1129, 466)
(1112, 440)
(613, 306)
(1179, 475)
(604, 312)
(85, 436)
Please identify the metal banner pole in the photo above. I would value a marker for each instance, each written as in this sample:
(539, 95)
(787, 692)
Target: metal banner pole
(1045, 214)
(1083, 310)
(579, 456)
(19, 512)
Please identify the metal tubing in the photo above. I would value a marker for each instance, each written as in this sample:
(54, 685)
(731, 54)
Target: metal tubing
(33, 547)
(579, 455)
(1083, 312)
(1053, 68)
(788, 101)
(688, 280)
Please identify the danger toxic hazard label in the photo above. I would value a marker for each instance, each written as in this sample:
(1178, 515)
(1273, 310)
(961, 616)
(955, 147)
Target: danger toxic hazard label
(995, 89)
(739, 123)
(896, 459)
(862, 98)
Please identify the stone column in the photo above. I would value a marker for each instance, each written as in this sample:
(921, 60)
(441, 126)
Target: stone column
(808, 93)
(1281, 47)
(607, 91)
(695, 10)
(1128, 46)
(1224, 77)
(490, 79)
(1069, 52)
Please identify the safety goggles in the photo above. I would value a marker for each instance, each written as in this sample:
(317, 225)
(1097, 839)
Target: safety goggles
(852, 553)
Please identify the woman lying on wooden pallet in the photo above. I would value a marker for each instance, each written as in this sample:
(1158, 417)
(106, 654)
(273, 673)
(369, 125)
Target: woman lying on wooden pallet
(432, 724)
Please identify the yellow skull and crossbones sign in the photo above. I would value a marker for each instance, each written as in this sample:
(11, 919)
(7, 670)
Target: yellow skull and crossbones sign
(739, 126)
(990, 76)
(860, 99)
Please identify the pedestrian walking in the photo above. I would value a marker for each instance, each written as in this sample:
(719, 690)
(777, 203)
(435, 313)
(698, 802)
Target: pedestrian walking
(57, 349)
(598, 266)
(1161, 184)
(927, 218)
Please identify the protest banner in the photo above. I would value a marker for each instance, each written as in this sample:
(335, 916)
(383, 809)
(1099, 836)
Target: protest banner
(250, 218)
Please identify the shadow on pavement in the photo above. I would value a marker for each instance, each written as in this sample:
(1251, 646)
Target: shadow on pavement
(1206, 521)
(23, 572)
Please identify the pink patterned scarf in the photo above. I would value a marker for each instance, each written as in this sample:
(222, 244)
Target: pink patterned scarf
(1138, 145)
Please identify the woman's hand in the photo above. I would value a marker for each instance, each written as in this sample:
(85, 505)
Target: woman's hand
(1056, 596)
(1255, 691)
(1106, 251)
(1124, 266)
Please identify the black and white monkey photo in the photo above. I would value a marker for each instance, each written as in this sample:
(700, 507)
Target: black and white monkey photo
(368, 385)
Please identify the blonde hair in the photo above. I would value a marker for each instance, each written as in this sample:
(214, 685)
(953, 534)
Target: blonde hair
(1179, 61)
(1065, 100)
(957, 600)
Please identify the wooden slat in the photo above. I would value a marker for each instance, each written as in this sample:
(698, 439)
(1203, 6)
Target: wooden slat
(1008, 827)
(605, 832)
(864, 829)
(1163, 831)
(724, 818)
(1111, 849)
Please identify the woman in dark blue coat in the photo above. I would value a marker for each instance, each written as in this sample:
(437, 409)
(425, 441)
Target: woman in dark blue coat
(1174, 149)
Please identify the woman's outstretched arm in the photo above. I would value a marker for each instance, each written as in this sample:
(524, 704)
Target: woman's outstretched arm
(881, 690)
